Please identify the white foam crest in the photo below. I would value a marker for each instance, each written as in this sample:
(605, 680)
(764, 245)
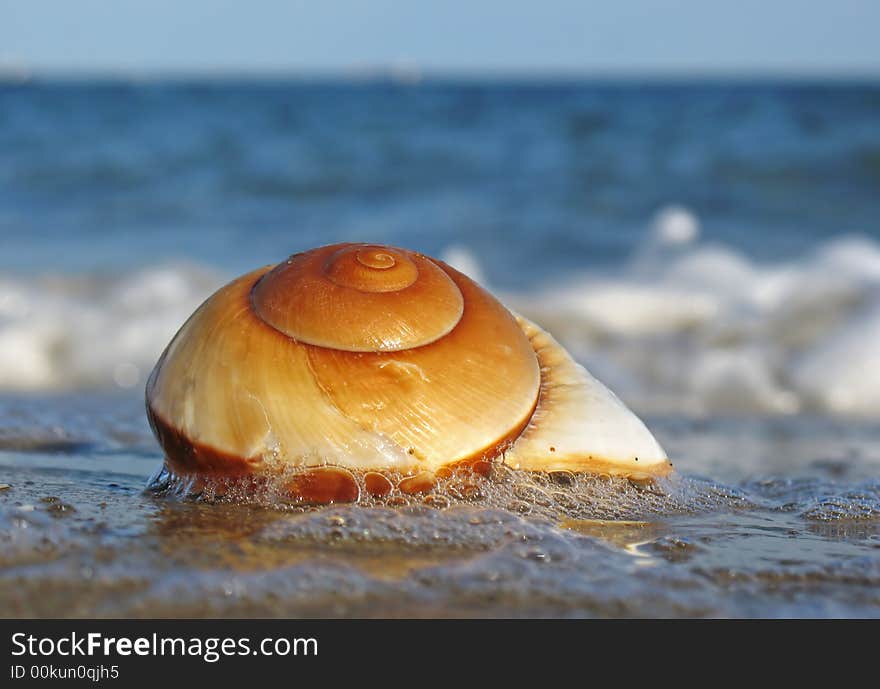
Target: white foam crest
(842, 371)
(684, 327)
(702, 329)
(68, 332)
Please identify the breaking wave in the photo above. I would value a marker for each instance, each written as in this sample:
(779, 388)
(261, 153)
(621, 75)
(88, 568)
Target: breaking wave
(683, 327)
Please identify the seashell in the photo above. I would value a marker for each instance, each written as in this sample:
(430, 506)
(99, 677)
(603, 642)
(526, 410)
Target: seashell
(355, 360)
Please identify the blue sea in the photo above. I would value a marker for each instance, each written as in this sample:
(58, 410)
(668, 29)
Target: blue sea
(710, 250)
(536, 179)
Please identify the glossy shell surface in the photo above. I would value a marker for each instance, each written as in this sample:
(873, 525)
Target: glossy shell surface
(372, 359)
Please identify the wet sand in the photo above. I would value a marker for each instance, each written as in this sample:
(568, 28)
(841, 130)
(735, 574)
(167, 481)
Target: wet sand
(766, 517)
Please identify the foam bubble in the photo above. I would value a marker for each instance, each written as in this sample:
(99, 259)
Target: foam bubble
(555, 496)
(676, 225)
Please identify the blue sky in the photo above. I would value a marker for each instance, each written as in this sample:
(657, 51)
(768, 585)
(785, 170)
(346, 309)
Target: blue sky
(837, 37)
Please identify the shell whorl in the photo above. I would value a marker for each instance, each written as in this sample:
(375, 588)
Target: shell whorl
(359, 298)
(372, 358)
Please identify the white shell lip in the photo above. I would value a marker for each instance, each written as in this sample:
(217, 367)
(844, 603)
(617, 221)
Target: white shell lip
(579, 424)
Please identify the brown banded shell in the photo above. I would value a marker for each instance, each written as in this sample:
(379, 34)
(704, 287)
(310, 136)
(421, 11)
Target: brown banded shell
(375, 359)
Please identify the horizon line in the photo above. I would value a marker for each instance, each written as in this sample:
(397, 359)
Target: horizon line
(406, 73)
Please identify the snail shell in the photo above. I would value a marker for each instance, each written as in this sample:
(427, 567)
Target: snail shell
(355, 362)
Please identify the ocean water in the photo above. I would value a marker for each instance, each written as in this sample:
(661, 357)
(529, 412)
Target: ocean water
(709, 251)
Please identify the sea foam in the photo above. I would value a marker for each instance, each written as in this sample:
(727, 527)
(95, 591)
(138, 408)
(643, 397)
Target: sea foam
(702, 329)
(685, 326)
